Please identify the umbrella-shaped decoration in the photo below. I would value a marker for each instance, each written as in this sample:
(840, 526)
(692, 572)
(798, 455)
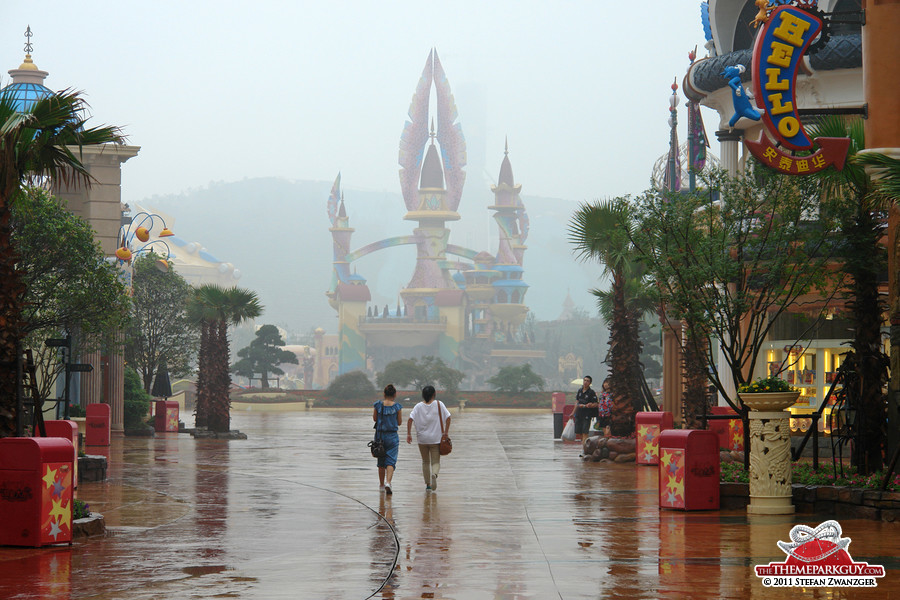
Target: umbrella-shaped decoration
(162, 387)
(123, 254)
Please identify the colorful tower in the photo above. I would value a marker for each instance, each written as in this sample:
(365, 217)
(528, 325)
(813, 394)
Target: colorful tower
(508, 309)
(348, 293)
(440, 180)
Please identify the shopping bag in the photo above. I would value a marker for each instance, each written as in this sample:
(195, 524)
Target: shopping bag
(568, 433)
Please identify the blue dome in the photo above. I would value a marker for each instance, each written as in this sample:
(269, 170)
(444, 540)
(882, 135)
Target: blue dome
(24, 95)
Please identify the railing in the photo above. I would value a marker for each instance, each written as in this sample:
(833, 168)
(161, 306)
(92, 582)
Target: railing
(399, 320)
(815, 416)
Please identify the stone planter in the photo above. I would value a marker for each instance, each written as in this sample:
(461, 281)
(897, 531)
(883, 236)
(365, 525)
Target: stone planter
(94, 524)
(769, 401)
(92, 467)
(770, 452)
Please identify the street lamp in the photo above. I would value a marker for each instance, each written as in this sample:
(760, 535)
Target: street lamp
(140, 227)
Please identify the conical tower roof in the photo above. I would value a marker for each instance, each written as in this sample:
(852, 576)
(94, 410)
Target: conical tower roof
(432, 173)
(506, 173)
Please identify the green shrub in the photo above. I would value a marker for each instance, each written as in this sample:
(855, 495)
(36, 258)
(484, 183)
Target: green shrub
(137, 401)
(803, 474)
(352, 385)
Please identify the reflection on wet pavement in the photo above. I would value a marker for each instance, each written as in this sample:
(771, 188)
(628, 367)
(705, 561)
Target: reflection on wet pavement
(295, 512)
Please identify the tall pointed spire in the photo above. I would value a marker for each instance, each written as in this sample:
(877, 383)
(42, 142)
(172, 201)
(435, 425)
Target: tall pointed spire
(673, 163)
(506, 173)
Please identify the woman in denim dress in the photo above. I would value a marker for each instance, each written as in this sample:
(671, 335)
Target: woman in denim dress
(386, 415)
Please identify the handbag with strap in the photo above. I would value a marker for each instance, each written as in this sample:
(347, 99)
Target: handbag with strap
(376, 446)
(446, 446)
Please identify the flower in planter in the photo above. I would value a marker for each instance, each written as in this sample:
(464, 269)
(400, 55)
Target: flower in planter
(81, 509)
(769, 384)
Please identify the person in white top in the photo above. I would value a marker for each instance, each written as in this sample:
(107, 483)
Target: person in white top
(427, 416)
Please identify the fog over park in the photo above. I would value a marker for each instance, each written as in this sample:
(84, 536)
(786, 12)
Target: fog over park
(246, 112)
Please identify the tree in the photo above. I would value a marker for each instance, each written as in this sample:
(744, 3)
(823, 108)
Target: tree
(159, 329)
(602, 231)
(39, 142)
(429, 370)
(351, 386)
(730, 259)
(215, 308)
(263, 356)
(885, 173)
(516, 379)
(70, 287)
(864, 258)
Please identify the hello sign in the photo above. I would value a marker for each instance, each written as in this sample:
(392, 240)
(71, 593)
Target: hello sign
(777, 55)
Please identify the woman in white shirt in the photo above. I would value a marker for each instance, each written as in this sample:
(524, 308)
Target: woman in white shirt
(427, 416)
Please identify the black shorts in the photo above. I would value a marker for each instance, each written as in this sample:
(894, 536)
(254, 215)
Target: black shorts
(583, 423)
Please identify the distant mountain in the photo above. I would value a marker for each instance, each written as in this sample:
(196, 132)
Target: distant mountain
(276, 232)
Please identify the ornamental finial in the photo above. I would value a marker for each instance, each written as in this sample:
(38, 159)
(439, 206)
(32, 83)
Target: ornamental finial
(28, 46)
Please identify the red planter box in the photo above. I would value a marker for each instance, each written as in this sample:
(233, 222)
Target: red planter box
(730, 432)
(649, 426)
(689, 469)
(36, 476)
(166, 418)
(68, 430)
(96, 425)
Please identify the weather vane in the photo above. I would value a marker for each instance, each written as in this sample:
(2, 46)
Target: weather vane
(28, 46)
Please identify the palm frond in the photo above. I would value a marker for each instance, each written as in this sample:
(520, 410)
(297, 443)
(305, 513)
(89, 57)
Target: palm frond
(886, 175)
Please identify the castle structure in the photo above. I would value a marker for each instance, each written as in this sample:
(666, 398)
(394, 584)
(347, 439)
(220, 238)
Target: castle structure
(456, 296)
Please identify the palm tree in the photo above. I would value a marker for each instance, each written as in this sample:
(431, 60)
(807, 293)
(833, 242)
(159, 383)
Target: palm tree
(885, 173)
(865, 258)
(215, 308)
(202, 312)
(601, 231)
(39, 142)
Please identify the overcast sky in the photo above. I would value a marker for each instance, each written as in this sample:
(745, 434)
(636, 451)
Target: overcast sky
(219, 91)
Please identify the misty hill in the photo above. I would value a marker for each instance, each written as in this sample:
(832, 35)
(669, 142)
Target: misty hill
(276, 232)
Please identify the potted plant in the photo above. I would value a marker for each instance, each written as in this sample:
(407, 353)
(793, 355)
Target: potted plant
(769, 394)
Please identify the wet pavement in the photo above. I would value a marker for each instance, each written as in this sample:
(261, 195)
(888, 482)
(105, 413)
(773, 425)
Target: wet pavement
(295, 512)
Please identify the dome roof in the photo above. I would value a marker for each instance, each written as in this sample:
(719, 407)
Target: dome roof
(432, 173)
(24, 95)
(658, 176)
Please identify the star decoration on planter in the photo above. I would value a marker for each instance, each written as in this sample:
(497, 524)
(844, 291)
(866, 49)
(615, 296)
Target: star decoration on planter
(49, 477)
(54, 529)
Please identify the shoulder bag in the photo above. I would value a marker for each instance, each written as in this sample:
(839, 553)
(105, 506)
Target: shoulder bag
(376, 446)
(446, 446)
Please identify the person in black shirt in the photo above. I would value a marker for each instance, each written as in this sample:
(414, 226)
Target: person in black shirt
(586, 404)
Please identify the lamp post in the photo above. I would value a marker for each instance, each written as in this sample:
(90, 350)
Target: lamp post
(139, 227)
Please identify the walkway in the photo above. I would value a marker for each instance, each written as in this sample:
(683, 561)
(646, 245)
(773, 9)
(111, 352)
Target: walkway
(295, 512)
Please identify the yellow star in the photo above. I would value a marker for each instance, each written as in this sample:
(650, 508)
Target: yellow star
(665, 458)
(677, 486)
(50, 477)
(63, 514)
